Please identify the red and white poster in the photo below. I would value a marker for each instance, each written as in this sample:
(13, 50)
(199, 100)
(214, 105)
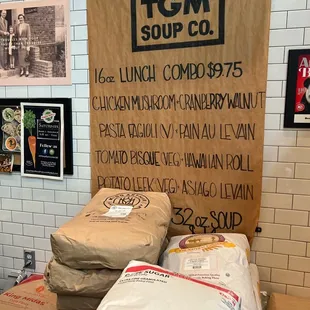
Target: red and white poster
(297, 113)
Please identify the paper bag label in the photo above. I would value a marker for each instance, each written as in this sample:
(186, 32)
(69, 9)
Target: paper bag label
(196, 264)
(119, 211)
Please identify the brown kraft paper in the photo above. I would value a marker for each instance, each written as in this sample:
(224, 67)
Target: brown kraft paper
(64, 280)
(177, 105)
(92, 240)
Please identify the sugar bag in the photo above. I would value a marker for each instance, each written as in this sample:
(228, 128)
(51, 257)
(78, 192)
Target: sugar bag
(148, 287)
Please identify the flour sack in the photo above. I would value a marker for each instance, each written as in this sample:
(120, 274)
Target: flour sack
(114, 228)
(77, 303)
(64, 280)
(221, 259)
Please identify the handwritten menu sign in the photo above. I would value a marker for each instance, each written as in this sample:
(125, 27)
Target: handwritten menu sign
(42, 140)
(177, 105)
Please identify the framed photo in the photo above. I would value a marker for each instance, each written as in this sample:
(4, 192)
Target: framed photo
(11, 132)
(35, 43)
(297, 104)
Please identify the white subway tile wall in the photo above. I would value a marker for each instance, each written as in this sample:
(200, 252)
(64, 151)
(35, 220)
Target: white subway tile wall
(30, 209)
(282, 250)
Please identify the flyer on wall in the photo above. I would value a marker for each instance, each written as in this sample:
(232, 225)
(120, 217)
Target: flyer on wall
(42, 140)
(297, 108)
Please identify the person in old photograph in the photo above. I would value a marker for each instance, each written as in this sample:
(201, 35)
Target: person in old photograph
(11, 47)
(23, 35)
(3, 39)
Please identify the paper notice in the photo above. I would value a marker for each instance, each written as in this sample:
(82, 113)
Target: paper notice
(199, 263)
(119, 211)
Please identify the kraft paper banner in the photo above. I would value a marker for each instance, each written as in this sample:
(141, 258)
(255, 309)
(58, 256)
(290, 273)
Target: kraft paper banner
(177, 105)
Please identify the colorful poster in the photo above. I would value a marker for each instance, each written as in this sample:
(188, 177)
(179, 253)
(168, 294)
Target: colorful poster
(10, 136)
(35, 43)
(10, 122)
(297, 111)
(42, 140)
(177, 105)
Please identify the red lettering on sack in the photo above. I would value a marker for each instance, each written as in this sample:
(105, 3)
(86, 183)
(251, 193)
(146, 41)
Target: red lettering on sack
(37, 301)
(12, 295)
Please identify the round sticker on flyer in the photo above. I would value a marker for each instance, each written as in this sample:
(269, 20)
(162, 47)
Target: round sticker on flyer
(300, 107)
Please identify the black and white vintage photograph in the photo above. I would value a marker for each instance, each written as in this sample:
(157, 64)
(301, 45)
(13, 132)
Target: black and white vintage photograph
(35, 43)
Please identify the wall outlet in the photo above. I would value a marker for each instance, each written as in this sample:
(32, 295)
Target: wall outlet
(29, 259)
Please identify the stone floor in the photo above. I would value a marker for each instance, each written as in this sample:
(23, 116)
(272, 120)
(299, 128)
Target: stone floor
(8, 73)
(5, 74)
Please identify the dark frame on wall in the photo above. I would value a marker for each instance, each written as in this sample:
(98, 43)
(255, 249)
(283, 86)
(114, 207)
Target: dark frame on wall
(68, 135)
(297, 102)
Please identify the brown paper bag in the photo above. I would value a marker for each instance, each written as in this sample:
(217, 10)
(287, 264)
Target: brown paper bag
(286, 302)
(64, 280)
(102, 236)
(77, 303)
(29, 295)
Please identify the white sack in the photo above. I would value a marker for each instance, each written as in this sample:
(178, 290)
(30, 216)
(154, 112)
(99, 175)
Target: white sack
(217, 258)
(147, 287)
(256, 285)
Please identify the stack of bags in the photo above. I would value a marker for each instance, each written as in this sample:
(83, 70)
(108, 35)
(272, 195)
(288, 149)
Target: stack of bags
(91, 250)
(222, 259)
(209, 271)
